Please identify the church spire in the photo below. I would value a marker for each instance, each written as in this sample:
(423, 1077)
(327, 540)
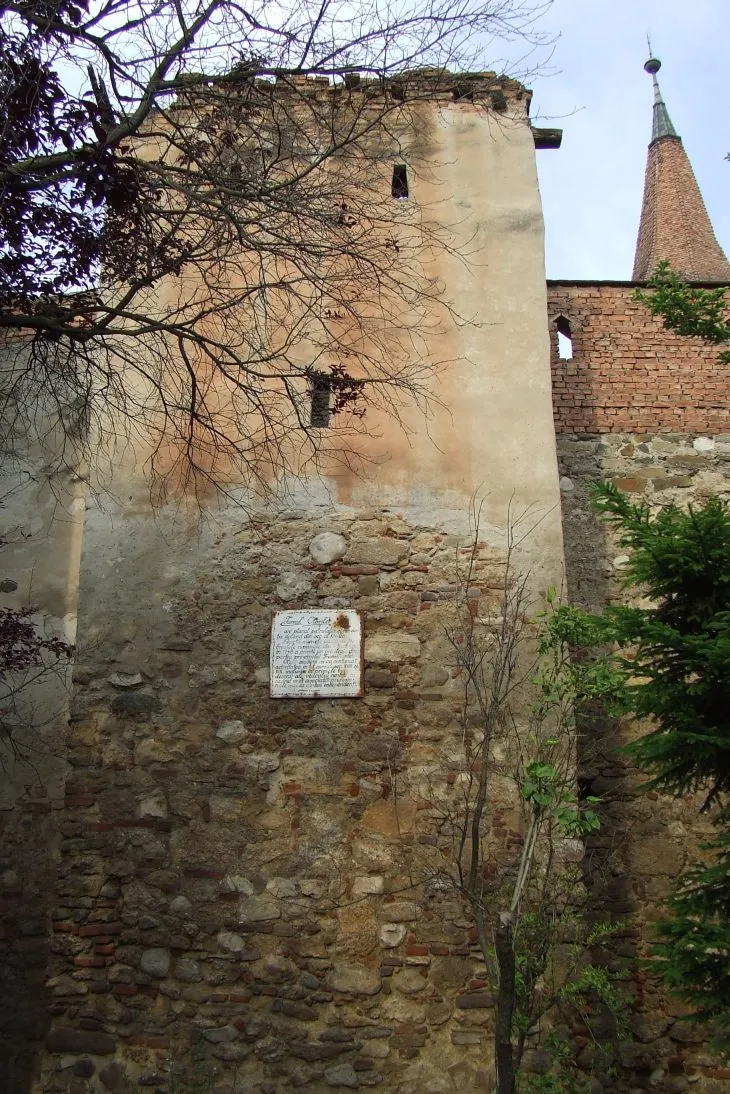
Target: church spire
(674, 222)
(662, 126)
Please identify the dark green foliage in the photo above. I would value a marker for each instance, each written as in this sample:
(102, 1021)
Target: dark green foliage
(678, 672)
(672, 668)
(693, 952)
(702, 313)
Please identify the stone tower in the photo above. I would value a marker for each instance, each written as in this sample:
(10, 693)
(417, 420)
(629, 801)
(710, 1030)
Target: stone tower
(234, 882)
(674, 222)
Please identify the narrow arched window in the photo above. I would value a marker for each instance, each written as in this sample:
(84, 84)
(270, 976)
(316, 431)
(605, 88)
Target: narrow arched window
(565, 339)
(399, 186)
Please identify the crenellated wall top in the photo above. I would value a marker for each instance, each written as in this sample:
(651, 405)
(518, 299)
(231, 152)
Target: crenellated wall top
(499, 93)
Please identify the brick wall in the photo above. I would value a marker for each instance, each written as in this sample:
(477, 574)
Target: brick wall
(627, 373)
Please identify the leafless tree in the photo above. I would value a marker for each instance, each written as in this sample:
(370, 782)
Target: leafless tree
(511, 832)
(200, 239)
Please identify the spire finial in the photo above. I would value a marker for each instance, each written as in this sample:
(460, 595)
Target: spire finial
(662, 126)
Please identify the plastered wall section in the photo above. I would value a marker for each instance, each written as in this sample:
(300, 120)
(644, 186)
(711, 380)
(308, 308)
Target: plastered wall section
(243, 880)
(480, 178)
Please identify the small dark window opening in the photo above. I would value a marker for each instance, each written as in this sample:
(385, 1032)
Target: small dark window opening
(463, 94)
(399, 187)
(320, 389)
(584, 788)
(565, 339)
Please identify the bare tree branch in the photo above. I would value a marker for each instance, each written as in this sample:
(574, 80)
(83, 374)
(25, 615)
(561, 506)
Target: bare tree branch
(197, 218)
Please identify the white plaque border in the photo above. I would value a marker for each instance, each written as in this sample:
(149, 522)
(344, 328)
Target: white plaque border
(275, 693)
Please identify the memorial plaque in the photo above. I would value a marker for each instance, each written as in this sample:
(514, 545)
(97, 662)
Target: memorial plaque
(316, 654)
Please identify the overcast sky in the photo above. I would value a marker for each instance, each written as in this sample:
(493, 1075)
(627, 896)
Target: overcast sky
(602, 99)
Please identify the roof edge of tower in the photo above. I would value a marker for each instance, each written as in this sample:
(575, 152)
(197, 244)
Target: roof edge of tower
(665, 137)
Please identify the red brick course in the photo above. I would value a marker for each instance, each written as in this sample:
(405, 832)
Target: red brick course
(627, 372)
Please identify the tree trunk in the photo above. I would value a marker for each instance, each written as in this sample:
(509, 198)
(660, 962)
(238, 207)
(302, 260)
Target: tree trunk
(505, 1008)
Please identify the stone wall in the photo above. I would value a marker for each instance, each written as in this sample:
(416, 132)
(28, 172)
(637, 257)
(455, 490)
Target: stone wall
(28, 861)
(645, 840)
(655, 467)
(41, 523)
(246, 884)
(244, 881)
(239, 878)
(647, 410)
(627, 373)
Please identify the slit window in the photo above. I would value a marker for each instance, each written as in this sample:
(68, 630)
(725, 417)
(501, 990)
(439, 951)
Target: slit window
(399, 186)
(320, 390)
(565, 339)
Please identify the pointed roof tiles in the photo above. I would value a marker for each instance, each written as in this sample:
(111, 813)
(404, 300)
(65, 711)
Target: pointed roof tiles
(674, 222)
